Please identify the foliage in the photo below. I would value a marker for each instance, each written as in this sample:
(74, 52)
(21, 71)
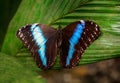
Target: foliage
(14, 72)
(61, 12)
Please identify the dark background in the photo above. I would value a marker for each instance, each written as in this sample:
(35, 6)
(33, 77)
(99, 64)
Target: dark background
(8, 9)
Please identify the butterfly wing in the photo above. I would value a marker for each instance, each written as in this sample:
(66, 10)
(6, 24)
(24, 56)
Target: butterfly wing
(41, 41)
(76, 37)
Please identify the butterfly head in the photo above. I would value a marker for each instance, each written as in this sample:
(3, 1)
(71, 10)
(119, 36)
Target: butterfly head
(59, 36)
(59, 27)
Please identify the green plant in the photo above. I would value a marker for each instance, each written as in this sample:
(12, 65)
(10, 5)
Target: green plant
(53, 12)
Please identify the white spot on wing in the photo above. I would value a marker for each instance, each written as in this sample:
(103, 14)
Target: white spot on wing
(95, 25)
(21, 35)
(30, 35)
(84, 33)
(85, 44)
(32, 40)
(92, 35)
(91, 22)
(96, 29)
(82, 49)
(81, 38)
(86, 29)
(24, 27)
(23, 38)
(89, 39)
(77, 58)
(25, 42)
(82, 21)
(19, 29)
(28, 46)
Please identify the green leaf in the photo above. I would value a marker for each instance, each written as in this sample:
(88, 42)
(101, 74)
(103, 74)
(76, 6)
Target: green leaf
(11, 71)
(62, 12)
(8, 8)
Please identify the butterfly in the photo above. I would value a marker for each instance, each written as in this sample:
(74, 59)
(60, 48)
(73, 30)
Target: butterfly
(45, 42)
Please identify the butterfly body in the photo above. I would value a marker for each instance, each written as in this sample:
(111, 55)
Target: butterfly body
(44, 42)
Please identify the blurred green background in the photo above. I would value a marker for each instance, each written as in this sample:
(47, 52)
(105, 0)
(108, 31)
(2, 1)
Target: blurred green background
(8, 8)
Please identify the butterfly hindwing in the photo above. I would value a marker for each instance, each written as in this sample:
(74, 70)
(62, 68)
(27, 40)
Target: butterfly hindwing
(76, 37)
(43, 42)
(40, 40)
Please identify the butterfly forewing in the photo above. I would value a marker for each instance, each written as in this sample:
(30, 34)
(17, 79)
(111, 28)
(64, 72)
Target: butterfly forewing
(40, 40)
(76, 37)
(43, 42)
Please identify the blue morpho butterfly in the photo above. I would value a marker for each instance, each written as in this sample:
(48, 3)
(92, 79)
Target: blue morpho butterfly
(44, 42)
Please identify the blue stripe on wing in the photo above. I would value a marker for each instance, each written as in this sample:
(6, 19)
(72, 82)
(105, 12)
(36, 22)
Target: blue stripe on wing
(74, 40)
(40, 40)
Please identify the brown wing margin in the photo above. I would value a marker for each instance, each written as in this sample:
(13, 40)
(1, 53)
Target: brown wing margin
(24, 34)
(90, 33)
